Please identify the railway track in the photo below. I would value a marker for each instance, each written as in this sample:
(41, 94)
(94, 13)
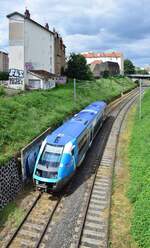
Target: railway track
(33, 227)
(93, 222)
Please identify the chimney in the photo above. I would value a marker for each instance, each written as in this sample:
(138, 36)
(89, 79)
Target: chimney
(27, 14)
(47, 26)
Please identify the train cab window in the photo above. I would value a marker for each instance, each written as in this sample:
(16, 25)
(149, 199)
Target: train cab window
(51, 156)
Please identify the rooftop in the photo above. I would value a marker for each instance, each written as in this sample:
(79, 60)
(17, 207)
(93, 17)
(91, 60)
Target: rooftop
(3, 52)
(95, 62)
(102, 55)
(23, 16)
(42, 73)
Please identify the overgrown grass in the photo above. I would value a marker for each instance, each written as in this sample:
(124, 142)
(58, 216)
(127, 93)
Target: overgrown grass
(139, 189)
(25, 116)
(11, 213)
(2, 91)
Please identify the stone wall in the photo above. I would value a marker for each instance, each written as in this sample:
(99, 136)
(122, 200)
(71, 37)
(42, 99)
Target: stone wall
(10, 182)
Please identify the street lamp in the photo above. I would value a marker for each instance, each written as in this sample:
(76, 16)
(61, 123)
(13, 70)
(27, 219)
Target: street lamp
(140, 107)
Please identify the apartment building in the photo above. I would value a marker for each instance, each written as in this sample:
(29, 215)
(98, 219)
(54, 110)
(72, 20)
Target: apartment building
(32, 53)
(3, 62)
(59, 48)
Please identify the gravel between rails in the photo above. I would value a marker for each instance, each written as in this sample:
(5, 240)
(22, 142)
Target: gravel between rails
(60, 232)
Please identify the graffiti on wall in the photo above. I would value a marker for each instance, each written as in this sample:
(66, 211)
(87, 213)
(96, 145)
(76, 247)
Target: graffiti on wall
(61, 80)
(16, 76)
(29, 66)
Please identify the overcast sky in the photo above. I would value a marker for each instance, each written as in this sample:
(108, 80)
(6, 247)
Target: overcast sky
(90, 25)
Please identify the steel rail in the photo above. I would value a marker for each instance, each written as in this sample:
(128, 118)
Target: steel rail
(77, 244)
(47, 224)
(23, 221)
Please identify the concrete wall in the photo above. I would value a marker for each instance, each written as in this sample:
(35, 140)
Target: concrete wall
(16, 42)
(39, 48)
(16, 52)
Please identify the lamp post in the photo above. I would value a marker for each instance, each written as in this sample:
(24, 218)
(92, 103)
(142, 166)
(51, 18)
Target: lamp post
(74, 83)
(140, 104)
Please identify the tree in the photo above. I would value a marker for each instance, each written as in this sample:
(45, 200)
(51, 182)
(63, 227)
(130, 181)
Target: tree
(105, 74)
(141, 71)
(78, 68)
(129, 68)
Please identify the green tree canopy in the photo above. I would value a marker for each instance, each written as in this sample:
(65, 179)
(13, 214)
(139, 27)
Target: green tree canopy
(129, 68)
(78, 68)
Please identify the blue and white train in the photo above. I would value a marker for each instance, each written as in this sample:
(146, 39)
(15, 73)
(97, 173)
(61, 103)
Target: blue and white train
(64, 149)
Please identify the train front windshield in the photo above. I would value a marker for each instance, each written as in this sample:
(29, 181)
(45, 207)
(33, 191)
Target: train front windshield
(49, 161)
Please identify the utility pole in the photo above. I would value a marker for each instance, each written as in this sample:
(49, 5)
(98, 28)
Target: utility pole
(74, 82)
(140, 107)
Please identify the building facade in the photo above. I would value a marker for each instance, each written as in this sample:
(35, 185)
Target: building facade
(100, 68)
(59, 48)
(4, 62)
(116, 57)
(32, 48)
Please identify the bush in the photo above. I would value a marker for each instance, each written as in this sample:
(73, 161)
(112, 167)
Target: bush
(105, 74)
(4, 75)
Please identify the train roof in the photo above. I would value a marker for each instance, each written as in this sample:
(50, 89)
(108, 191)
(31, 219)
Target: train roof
(75, 126)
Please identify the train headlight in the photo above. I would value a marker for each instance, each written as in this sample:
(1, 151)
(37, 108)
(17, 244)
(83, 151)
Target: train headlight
(55, 175)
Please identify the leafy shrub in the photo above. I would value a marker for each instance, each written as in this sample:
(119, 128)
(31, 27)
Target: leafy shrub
(4, 75)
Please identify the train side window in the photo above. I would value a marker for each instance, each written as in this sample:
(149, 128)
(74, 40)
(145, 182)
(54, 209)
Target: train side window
(82, 143)
(97, 126)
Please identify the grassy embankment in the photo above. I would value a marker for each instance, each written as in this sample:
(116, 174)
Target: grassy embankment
(139, 187)
(130, 213)
(25, 116)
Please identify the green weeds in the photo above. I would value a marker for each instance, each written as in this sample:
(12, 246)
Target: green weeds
(24, 116)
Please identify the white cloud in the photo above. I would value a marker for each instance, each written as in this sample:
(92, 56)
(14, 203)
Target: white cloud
(90, 24)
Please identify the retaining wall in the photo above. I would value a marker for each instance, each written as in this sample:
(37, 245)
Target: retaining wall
(10, 182)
